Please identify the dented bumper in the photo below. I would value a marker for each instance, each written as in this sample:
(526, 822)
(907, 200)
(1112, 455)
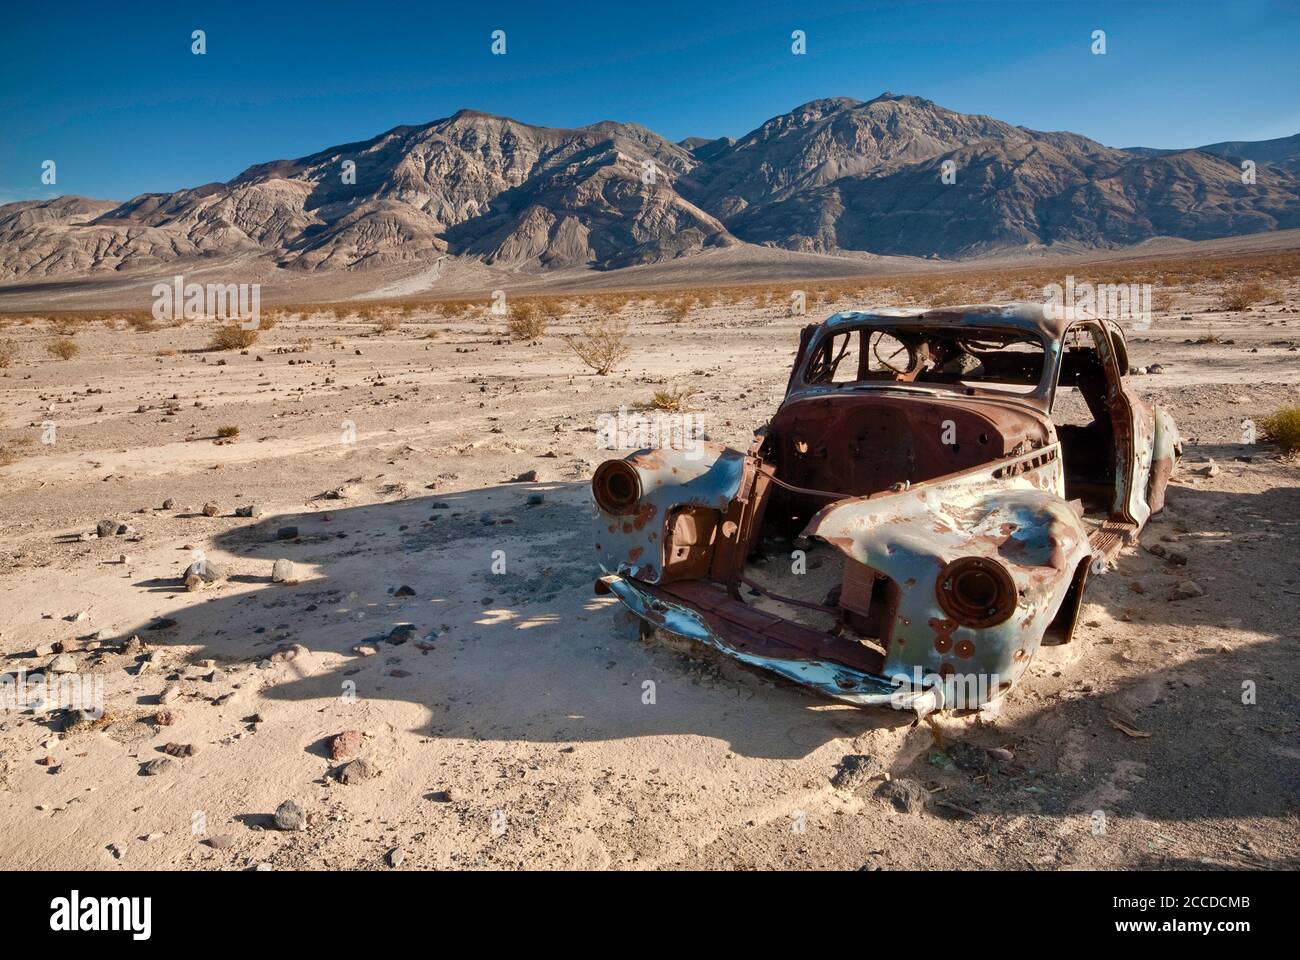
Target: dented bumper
(707, 622)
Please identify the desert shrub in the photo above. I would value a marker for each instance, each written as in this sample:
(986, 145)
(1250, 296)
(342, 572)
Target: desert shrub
(139, 322)
(388, 324)
(525, 321)
(552, 310)
(680, 308)
(65, 326)
(230, 431)
(1240, 296)
(600, 343)
(674, 399)
(65, 348)
(232, 336)
(1283, 428)
(11, 450)
(8, 353)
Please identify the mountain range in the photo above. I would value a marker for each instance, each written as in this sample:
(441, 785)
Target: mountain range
(896, 175)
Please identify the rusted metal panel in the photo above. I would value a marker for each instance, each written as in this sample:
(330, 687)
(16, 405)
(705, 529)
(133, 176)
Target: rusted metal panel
(959, 555)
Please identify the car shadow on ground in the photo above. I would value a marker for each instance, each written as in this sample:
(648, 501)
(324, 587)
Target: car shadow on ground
(503, 640)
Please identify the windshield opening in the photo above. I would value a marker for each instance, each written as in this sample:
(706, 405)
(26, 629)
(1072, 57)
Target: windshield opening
(998, 359)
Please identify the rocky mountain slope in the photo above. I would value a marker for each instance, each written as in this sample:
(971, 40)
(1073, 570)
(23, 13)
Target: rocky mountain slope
(832, 175)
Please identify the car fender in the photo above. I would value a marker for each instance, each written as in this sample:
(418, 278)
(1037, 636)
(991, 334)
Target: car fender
(909, 536)
(705, 475)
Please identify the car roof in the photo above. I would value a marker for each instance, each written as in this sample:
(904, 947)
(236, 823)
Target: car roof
(1031, 317)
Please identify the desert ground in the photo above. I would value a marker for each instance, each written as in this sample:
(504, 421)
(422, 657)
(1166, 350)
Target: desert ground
(501, 716)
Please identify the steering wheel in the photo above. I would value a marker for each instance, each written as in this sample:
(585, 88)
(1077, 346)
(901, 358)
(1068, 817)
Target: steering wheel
(888, 362)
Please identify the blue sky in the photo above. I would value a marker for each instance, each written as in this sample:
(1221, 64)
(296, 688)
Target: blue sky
(112, 93)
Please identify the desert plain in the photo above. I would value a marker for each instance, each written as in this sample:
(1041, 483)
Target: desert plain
(430, 682)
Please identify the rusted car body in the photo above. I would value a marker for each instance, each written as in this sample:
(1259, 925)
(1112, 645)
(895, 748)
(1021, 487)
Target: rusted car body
(911, 525)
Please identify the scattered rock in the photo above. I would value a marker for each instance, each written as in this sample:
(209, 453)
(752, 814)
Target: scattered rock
(1187, 590)
(180, 749)
(63, 663)
(357, 771)
(365, 650)
(282, 571)
(528, 476)
(106, 528)
(441, 796)
(248, 510)
(169, 693)
(166, 718)
(200, 573)
(210, 509)
(404, 591)
(1001, 754)
(222, 841)
(346, 744)
(287, 533)
(400, 634)
(907, 796)
(969, 757)
(396, 857)
(290, 816)
(153, 768)
(288, 651)
(74, 720)
(854, 770)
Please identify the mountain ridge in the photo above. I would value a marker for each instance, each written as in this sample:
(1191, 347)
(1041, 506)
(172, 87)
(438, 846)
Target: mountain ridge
(894, 175)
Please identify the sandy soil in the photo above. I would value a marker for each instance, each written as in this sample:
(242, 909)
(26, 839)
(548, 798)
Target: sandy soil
(509, 729)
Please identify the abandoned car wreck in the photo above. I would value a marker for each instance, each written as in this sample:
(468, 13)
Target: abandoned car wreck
(912, 524)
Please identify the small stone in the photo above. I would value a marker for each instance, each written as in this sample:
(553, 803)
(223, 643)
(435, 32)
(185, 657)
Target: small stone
(528, 476)
(169, 504)
(288, 651)
(166, 718)
(118, 850)
(1001, 754)
(290, 816)
(248, 510)
(153, 768)
(365, 650)
(180, 749)
(282, 571)
(202, 572)
(854, 770)
(74, 720)
(1187, 590)
(357, 771)
(396, 857)
(286, 533)
(536, 499)
(401, 633)
(346, 744)
(404, 591)
(968, 757)
(63, 663)
(106, 528)
(907, 796)
(222, 841)
(169, 693)
(441, 796)
(210, 509)
(1156, 368)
